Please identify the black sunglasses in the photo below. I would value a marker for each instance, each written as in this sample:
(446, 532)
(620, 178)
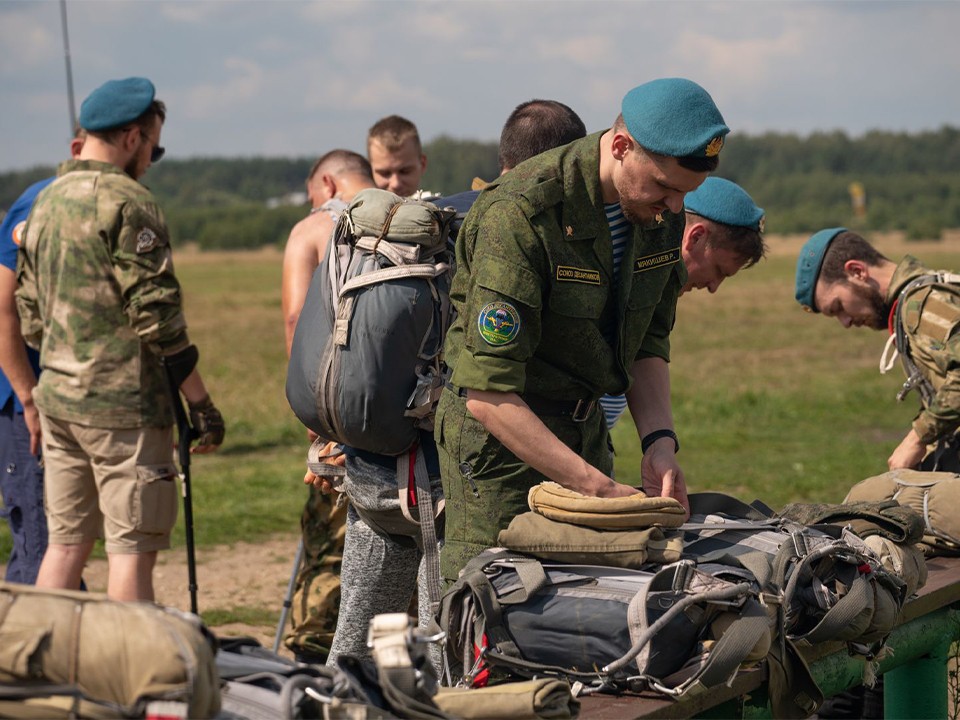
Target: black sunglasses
(156, 153)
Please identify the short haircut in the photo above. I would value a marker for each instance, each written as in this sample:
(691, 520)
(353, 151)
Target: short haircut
(392, 132)
(694, 163)
(341, 162)
(847, 246)
(746, 243)
(146, 120)
(535, 127)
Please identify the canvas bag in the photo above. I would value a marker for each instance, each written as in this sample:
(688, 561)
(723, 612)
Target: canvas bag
(82, 652)
(365, 364)
(934, 495)
(602, 626)
(832, 586)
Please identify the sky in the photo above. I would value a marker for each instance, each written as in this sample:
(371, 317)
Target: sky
(292, 78)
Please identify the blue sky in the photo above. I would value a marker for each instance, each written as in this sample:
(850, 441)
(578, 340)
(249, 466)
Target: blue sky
(294, 78)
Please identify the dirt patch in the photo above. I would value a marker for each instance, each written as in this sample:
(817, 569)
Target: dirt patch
(251, 576)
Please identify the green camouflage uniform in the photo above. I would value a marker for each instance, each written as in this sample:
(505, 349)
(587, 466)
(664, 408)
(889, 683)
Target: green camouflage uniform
(313, 615)
(97, 296)
(931, 317)
(533, 289)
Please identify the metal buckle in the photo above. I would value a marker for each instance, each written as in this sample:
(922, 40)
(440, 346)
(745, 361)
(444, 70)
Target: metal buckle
(583, 410)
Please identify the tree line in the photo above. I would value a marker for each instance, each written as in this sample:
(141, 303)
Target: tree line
(880, 181)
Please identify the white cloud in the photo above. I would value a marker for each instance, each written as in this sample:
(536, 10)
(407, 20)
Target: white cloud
(244, 82)
(28, 37)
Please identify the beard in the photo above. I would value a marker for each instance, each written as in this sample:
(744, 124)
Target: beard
(879, 308)
(633, 216)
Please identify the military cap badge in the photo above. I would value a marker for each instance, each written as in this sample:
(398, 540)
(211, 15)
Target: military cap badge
(714, 147)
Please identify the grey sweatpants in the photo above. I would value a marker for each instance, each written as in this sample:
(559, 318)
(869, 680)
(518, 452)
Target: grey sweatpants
(378, 574)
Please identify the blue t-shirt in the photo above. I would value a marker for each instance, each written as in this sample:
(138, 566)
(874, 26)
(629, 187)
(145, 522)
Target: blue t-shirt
(8, 258)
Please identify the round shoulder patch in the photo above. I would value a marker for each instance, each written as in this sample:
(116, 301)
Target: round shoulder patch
(17, 233)
(498, 323)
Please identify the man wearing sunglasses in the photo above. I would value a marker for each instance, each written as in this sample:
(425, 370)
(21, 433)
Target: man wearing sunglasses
(98, 298)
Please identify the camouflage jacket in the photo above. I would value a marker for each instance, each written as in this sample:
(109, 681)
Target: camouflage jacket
(931, 318)
(534, 284)
(97, 296)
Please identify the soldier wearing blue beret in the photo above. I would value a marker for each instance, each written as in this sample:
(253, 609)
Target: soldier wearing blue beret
(722, 235)
(568, 273)
(96, 250)
(841, 275)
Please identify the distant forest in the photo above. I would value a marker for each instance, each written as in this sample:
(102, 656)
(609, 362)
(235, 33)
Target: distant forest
(908, 182)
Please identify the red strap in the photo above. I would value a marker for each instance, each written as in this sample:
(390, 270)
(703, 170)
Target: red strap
(893, 314)
(411, 478)
(481, 678)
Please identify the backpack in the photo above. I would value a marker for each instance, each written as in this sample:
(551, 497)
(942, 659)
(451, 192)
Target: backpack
(65, 654)
(820, 583)
(365, 364)
(609, 628)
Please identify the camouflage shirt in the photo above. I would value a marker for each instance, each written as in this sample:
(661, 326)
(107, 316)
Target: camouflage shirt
(931, 318)
(97, 295)
(534, 285)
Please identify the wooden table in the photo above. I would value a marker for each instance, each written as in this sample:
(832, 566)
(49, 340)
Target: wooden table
(915, 678)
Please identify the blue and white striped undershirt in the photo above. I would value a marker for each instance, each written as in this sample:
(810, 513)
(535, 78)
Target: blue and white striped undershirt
(614, 405)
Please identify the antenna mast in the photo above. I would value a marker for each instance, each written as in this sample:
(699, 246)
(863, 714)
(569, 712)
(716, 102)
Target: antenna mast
(66, 57)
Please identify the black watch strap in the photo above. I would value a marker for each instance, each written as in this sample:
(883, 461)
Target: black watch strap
(650, 438)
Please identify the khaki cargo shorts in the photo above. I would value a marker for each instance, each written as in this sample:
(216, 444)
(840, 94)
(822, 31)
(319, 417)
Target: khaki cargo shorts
(116, 484)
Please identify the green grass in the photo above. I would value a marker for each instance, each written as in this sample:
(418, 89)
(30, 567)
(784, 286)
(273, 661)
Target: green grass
(769, 402)
(246, 615)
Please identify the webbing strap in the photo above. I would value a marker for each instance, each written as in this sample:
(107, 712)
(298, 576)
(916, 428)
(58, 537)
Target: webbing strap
(707, 596)
(840, 616)
(712, 503)
(426, 515)
(724, 658)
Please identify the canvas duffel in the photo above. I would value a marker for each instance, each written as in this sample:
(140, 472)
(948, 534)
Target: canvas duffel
(82, 653)
(934, 495)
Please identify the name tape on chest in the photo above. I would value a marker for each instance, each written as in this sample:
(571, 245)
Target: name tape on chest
(565, 273)
(649, 262)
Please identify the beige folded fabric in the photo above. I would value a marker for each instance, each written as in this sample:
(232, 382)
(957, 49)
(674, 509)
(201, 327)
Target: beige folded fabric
(634, 511)
(527, 700)
(536, 535)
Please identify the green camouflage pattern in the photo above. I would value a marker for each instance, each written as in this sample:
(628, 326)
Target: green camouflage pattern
(535, 254)
(316, 602)
(931, 317)
(98, 297)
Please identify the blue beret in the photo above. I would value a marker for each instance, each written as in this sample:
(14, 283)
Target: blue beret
(725, 202)
(809, 264)
(674, 117)
(116, 103)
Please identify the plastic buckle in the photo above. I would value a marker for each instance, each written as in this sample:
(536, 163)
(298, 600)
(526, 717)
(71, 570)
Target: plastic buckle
(583, 410)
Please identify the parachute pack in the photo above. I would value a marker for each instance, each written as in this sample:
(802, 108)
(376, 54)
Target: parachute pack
(366, 361)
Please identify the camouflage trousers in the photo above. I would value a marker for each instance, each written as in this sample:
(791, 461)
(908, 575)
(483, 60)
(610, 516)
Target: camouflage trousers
(313, 616)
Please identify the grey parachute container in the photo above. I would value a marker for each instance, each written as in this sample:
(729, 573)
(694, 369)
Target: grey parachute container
(365, 365)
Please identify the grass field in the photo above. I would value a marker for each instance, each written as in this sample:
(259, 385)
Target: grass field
(769, 402)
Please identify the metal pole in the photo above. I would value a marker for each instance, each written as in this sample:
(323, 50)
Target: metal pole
(66, 56)
(288, 599)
